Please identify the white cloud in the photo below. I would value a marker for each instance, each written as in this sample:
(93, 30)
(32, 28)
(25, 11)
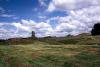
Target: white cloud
(71, 4)
(42, 25)
(8, 16)
(5, 15)
(42, 2)
(42, 28)
(51, 7)
(24, 28)
(82, 15)
(19, 26)
(28, 23)
(65, 27)
(42, 17)
(79, 21)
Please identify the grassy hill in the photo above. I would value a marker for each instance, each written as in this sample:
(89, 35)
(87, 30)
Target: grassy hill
(42, 54)
(76, 40)
(81, 40)
(79, 51)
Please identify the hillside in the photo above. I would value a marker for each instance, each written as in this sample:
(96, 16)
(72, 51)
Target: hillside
(74, 51)
(83, 40)
(42, 54)
(80, 39)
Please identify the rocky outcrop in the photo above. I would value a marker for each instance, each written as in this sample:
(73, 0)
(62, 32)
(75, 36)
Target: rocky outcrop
(33, 35)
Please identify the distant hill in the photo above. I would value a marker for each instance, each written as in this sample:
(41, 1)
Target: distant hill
(84, 34)
(84, 39)
(81, 39)
(16, 41)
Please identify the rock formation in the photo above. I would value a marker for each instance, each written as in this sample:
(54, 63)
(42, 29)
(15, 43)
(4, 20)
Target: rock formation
(33, 35)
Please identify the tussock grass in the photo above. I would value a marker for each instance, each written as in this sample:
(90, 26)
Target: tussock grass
(40, 55)
(64, 52)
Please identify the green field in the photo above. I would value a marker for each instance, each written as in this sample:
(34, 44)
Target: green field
(42, 54)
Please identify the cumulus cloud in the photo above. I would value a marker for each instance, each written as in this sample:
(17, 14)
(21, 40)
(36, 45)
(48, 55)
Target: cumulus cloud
(14, 29)
(42, 28)
(80, 18)
(82, 15)
(24, 29)
(71, 4)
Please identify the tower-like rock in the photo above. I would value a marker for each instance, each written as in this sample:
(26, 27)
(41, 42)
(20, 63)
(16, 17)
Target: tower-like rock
(33, 35)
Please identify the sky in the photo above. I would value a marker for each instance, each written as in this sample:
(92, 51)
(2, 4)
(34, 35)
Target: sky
(18, 18)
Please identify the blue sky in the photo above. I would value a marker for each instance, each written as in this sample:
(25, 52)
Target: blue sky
(26, 9)
(47, 17)
(22, 9)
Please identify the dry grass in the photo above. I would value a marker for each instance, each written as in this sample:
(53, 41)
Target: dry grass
(42, 54)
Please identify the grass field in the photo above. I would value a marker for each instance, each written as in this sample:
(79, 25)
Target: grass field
(42, 54)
